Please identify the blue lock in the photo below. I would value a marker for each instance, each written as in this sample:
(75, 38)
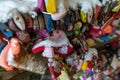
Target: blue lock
(49, 23)
(4, 29)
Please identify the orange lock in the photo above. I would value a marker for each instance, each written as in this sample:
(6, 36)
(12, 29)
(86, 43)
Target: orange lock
(107, 29)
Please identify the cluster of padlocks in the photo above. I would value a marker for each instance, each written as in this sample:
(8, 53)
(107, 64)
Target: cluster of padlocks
(74, 35)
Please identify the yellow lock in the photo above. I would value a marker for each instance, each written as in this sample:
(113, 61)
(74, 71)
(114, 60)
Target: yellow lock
(117, 8)
(78, 25)
(51, 6)
(83, 16)
(90, 42)
(84, 65)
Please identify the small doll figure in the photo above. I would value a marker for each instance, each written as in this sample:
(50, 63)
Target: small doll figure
(57, 42)
(7, 55)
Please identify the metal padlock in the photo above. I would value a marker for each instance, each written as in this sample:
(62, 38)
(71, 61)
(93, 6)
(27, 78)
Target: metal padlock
(38, 22)
(18, 19)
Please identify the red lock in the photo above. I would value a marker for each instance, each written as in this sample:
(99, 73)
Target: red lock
(90, 64)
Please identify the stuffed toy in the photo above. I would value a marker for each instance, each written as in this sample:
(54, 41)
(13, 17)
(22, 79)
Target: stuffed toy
(57, 42)
(7, 55)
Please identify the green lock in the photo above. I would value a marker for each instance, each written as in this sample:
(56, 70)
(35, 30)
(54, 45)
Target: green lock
(77, 28)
